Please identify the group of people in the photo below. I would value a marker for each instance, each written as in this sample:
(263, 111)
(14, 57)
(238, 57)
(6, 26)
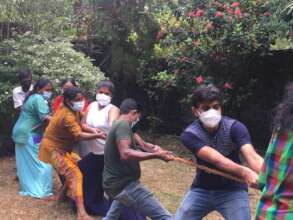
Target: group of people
(95, 149)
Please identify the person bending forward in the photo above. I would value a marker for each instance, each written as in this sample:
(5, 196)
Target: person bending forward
(122, 171)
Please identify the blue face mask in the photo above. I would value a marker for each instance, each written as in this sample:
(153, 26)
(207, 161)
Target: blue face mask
(47, 95)
(77, 106)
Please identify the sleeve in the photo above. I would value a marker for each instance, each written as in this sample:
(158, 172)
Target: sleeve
(56, 103)
(17, 99)
(191, 142)
(123, 131)
(42, 107)
(240, 134)
(72, 125)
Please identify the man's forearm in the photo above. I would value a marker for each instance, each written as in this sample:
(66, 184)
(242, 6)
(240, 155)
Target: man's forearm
(145, 146)
(256, 163)
(134, 155)
(148, 147)
(230, 166)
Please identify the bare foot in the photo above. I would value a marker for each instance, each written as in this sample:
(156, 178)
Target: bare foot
(52, 198)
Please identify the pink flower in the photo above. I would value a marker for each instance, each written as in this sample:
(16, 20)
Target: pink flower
(199, 13)
(209, 27)
(219, 14)
(267, 14)
(190, 14)
(199, 79)
(228, 85)
(238, 12)
(230, 11)
(235, 4)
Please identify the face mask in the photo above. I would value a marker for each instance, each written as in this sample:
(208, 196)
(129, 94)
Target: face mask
(47, 95)
(77, 106)
(210, 118)
(103, 99)
(134, 123)
(26, 85)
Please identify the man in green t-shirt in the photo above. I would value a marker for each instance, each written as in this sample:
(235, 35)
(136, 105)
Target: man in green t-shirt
(122, 171)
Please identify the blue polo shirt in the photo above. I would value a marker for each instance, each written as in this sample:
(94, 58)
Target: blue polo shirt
(239, 136)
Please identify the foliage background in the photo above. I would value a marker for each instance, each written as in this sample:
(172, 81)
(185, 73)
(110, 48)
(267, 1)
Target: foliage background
(156, 51)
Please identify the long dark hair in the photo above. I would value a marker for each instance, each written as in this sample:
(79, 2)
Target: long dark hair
(70, 94)
(284, 118)
(41, 83)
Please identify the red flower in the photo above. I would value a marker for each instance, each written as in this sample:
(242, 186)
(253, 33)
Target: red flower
(228, 85)
(267, 14)
(199, 13)
(238, 12)
(199, 79)
(235, 4)
(219, 14)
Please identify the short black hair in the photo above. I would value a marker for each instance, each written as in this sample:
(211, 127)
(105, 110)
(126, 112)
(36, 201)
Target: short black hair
(128, 105)
(24, 73)
(71, 80)
(106, 83)
(208, 93)
(70, 94)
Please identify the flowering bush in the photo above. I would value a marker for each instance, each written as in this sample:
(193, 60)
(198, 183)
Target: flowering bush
(215, 42)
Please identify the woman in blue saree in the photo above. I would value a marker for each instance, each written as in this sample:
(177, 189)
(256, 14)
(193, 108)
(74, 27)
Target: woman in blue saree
(35, 177)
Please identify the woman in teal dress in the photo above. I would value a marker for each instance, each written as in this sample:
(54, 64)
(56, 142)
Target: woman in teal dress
(35, 177)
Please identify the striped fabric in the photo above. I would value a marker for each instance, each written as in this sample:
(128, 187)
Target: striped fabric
(276, 180)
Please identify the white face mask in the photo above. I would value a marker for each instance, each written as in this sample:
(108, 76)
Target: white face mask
(103, 99)
(135, 122)
(210, 118)
(47, 95)
(77, 106)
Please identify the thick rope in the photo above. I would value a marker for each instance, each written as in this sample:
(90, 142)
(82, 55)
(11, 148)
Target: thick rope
(213, 171)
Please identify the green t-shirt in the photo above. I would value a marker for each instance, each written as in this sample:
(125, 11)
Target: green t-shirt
(118, 173)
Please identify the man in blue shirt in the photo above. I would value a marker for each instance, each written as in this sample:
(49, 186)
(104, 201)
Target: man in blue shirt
(217, 141)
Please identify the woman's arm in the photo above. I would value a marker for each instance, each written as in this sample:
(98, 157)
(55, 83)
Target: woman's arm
(85, 127)
(88, 129)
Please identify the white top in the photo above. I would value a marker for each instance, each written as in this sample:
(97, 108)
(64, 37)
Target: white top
(19, 96)
(98, 119)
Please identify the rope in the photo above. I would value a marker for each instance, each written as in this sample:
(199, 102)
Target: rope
(212, 171)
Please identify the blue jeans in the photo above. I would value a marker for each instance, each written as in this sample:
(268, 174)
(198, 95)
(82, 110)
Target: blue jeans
(139, 198)
(233, 205)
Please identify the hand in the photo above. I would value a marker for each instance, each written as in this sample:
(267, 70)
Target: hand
(249, 176)
(165, 155)
(156, 148)
(100, 134)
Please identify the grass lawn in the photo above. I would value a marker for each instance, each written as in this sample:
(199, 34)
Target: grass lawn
(168, 181)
